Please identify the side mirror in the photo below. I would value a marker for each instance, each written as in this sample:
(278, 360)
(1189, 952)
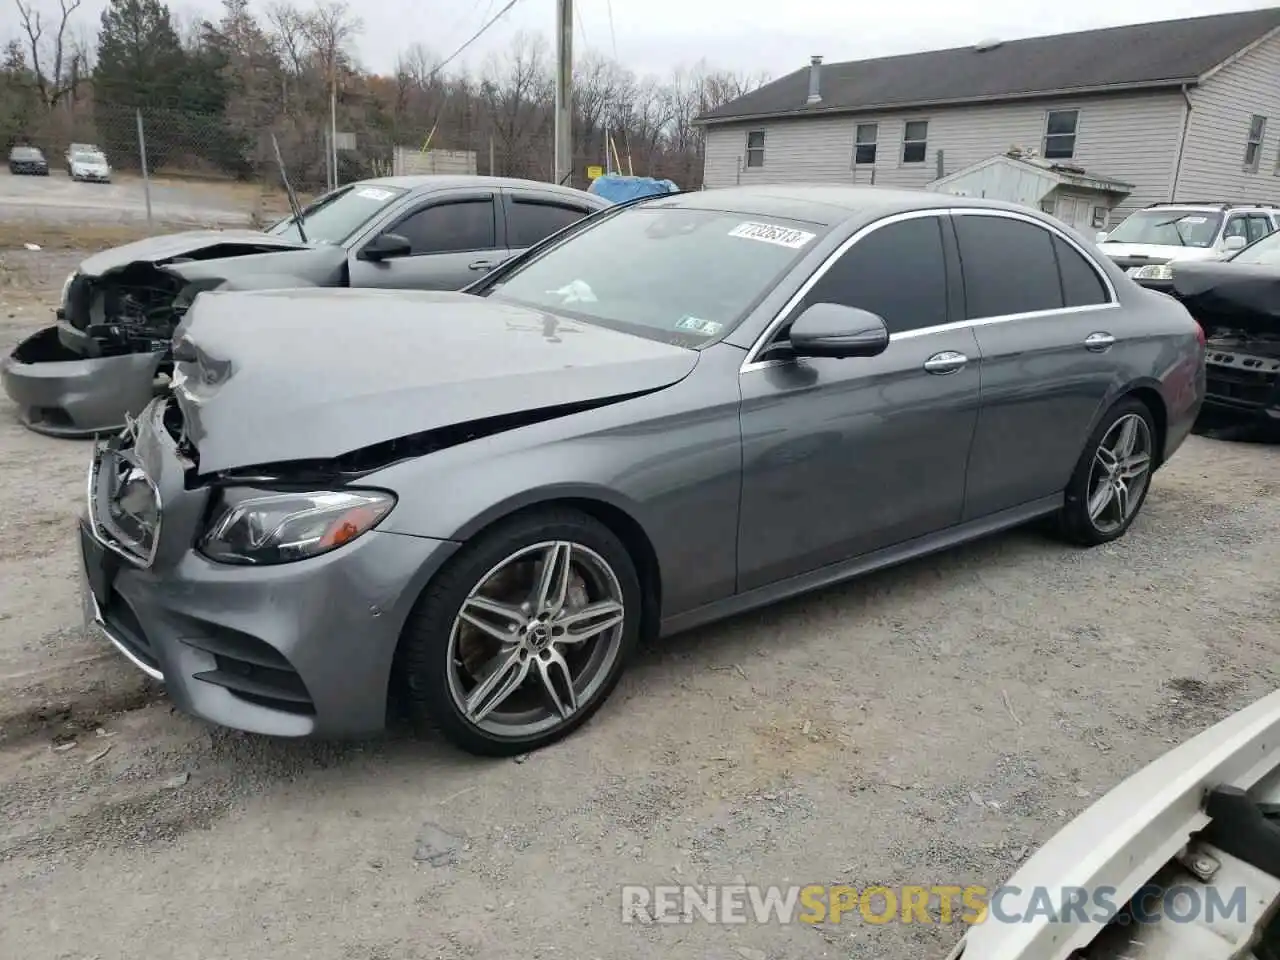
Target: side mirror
(1234, 243)
(1101, 237)
(385, 246)
(832, 330)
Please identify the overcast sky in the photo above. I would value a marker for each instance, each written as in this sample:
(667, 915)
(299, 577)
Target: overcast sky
(655, 36)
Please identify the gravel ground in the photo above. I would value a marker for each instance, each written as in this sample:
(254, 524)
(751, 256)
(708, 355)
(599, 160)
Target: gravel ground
(60, 199)
(930, 724)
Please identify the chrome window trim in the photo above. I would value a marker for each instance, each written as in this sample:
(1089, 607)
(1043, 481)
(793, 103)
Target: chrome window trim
(750, 363)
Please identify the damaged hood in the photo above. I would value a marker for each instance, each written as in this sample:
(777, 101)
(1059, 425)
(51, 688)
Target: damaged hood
(273, 376)
(1240, 296)
(159, 250)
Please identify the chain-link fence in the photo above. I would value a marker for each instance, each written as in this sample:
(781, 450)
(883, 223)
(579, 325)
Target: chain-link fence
(180, 166)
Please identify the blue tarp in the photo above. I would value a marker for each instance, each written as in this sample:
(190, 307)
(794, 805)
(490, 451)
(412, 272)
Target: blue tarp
(618, 189)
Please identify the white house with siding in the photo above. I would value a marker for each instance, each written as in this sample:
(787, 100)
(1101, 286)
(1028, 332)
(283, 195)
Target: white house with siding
(1181, 110)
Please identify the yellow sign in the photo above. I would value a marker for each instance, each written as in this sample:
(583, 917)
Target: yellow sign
(593, 172)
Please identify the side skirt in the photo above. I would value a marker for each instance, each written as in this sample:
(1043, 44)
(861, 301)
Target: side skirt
(858, 566)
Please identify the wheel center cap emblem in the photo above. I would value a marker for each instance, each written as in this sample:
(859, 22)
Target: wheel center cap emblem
(539, 635)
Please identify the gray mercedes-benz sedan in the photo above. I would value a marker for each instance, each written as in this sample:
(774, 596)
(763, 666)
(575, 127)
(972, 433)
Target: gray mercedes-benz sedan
(672, 412)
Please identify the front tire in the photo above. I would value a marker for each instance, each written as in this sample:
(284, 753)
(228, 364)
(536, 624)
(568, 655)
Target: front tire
(523, 635)
(1112, 477)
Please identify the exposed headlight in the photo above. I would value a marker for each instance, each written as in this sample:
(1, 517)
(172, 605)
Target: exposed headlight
(255, 528)
(1154, 271)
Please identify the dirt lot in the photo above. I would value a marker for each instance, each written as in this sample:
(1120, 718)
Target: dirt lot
(58, 200)
(931, 724)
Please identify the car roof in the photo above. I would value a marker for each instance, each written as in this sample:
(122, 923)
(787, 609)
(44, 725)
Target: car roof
(825, 204)
(444, 181)
(25, 148)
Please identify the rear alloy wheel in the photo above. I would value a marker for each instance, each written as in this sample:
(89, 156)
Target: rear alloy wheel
(524, 634)
(1113, 476)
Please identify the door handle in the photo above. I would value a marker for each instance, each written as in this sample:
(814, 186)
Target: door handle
(482, 265)
(1098, 342)
(946, 362)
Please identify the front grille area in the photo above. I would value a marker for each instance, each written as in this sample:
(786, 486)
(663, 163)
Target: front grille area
(1242, 380)
(252, 670)
(1124, 263)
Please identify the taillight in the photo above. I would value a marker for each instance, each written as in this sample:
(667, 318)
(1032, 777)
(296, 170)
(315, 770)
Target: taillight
(1200, 333)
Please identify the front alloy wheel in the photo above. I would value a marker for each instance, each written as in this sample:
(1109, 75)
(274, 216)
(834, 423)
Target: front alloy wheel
(524, 634)
(535, 639)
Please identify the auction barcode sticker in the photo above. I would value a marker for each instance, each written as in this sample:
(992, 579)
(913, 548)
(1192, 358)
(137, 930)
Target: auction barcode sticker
(769, 233)
(373, 193)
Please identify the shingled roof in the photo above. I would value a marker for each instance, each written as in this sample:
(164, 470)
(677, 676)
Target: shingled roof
(1147, 55)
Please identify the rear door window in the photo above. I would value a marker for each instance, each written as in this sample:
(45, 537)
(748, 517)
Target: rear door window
(450, 226)
(1081, 284)
(1009, 266)
(529, 221)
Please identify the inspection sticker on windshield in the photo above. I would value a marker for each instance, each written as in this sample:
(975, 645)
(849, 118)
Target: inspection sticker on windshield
(373, 193)
(708, 328)
(769, 233)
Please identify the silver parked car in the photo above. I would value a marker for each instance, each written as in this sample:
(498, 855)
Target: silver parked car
(672, 412)
(102, 361)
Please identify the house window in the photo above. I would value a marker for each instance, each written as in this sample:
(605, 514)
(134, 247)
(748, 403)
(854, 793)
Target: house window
(864, 148)
(1253, 149)
(1099, 217)
(755, 148)
(1060, 134)
(915, 136)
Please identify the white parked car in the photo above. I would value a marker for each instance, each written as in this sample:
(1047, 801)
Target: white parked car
(1179, 862)
(88, 164)
(1152, 238)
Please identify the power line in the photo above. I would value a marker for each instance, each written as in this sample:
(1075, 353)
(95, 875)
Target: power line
(612, 36)
(476, 36)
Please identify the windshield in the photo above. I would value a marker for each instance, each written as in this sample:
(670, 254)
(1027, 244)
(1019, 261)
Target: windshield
(26, 153)
(1169, 227)
(667, 273)
(336, 216)
(85, 157)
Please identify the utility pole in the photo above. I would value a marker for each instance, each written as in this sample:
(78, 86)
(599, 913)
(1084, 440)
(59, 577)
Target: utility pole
(564, 91)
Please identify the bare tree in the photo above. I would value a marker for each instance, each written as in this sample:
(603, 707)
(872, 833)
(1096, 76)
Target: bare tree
(57, 63)
(516, 89)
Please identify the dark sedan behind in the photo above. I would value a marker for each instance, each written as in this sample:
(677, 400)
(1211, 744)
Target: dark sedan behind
(28, 160)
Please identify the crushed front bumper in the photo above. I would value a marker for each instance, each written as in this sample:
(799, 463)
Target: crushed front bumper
(294, 649)
(1242, 384)
(76, 396)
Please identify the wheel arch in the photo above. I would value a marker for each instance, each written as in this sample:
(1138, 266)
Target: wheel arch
(1153, 400)
(1146, 390)
(615, 512)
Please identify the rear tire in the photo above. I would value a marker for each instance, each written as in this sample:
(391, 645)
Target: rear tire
(1112, 477)
(514, 672)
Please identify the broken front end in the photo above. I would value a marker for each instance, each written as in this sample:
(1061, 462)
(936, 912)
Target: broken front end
(1238, 306)
(109, 353)
(104, 359)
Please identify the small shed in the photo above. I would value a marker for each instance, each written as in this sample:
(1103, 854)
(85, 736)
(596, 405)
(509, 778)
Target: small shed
(1080, 199)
